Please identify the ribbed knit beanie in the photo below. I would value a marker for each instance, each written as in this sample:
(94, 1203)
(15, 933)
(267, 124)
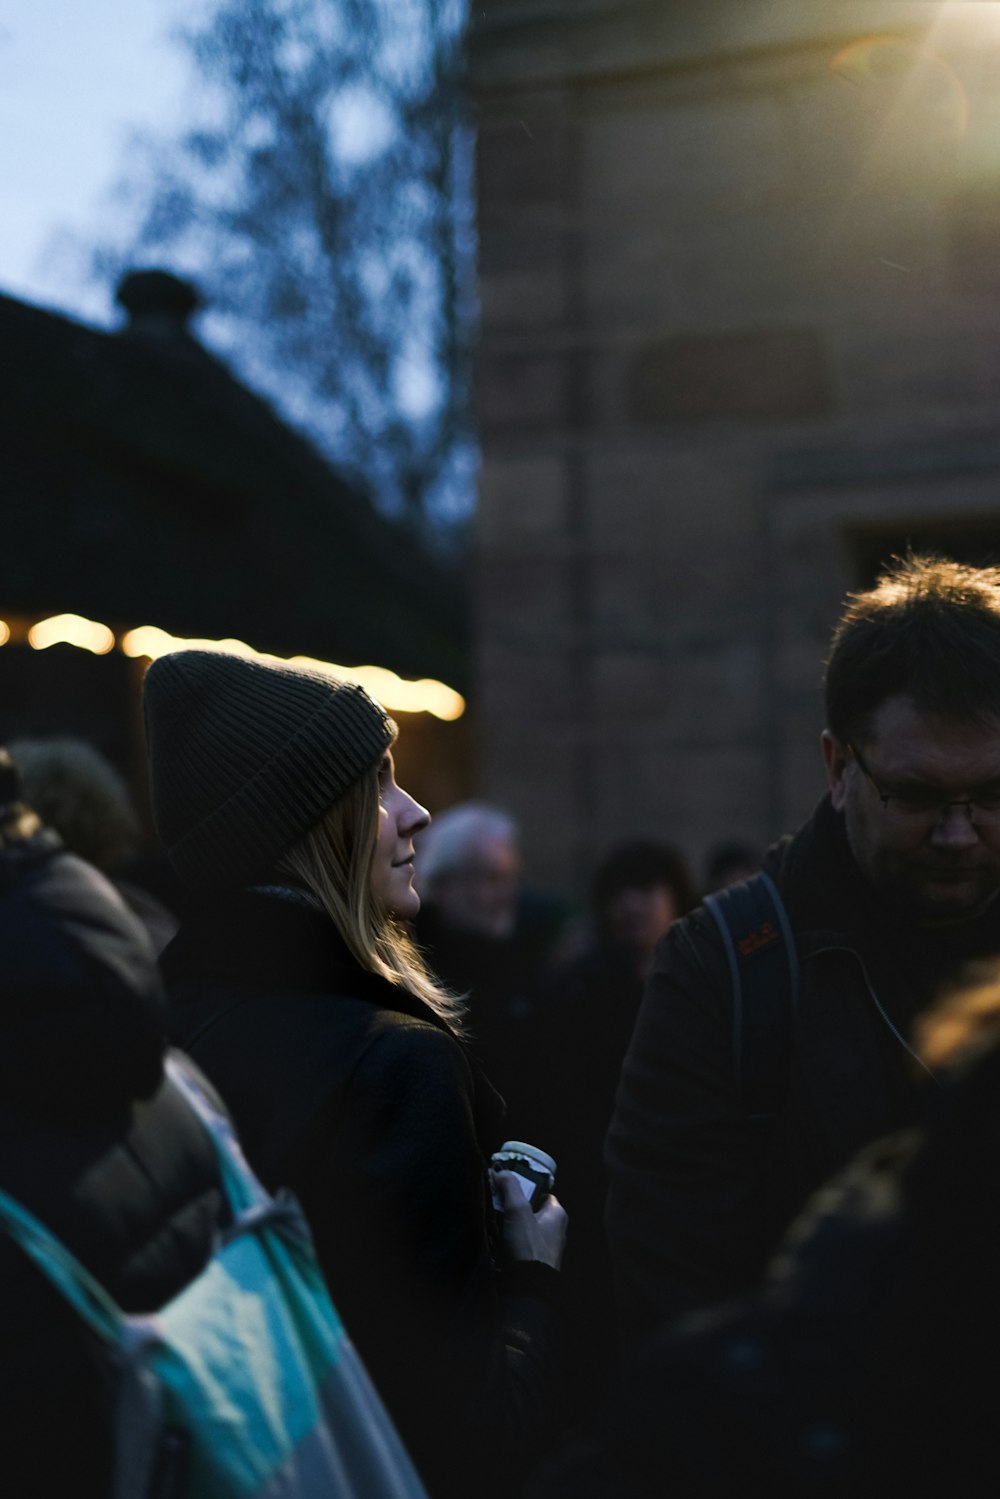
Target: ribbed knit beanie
(245, 756)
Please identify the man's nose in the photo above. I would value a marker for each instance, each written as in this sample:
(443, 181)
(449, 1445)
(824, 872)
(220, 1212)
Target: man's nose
(955, 828)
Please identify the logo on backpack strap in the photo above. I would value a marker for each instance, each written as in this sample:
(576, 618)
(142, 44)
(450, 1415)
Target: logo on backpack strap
(761, 936)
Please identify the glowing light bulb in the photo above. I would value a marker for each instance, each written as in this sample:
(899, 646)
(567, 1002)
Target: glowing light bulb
(71, 629)
(398, 694)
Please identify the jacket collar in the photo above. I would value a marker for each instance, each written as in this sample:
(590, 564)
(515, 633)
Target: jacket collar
(822, 886)
(278, 937)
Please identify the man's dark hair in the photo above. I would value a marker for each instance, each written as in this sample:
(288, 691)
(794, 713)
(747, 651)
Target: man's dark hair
(929, 630)
(638, 866)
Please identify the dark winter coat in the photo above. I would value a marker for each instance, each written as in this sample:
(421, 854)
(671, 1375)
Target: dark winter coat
(96, 1144)
(353, 1094)
(862, 1366)
(698, 1196)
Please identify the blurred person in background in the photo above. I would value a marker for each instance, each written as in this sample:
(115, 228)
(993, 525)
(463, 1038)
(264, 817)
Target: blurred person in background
(79, 793)
(585, 1015)
(486, 933)
(470, 870)
(94, 1141)
(639, 889)
(729, 863)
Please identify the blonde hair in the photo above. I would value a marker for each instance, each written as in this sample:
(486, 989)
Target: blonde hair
(334, 862)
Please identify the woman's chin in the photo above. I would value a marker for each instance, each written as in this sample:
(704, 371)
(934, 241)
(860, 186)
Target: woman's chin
(406, 905)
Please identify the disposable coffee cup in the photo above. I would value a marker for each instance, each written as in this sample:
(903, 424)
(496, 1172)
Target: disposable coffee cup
(536, 1171)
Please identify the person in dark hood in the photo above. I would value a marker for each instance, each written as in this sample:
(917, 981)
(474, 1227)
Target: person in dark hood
(890, 889)
(78, 793)
(299, 991)
(94, 1141)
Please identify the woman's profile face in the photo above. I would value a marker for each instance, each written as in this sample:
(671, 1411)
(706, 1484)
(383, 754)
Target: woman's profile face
(399, 818)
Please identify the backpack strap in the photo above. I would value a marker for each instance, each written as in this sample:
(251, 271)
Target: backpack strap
(764, 978)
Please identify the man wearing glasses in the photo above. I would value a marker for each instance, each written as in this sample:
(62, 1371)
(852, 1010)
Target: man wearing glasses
(890, 889)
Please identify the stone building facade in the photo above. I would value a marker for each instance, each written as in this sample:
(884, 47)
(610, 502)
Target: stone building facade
(740, 305)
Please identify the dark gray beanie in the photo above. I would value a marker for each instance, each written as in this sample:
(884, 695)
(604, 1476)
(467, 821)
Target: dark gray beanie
(245, 756)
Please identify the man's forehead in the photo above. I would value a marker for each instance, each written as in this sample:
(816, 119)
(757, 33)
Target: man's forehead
(900, 728)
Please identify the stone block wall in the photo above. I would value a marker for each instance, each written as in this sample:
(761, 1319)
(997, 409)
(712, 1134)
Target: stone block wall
(739, 327)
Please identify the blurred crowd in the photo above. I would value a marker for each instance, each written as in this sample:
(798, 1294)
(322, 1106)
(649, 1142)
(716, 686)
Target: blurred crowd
(769, 1086)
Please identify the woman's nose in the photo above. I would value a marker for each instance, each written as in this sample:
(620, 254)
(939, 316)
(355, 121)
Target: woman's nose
(415, 817)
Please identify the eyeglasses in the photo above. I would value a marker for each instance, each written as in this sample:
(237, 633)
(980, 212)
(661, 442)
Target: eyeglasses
(922, 803)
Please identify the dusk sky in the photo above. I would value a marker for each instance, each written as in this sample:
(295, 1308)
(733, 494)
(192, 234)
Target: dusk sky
(76, 78)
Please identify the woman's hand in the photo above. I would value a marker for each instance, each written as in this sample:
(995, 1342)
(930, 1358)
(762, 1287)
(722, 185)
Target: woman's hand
(528, 1235)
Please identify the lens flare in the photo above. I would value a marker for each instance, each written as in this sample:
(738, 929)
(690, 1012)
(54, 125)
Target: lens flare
(894, 73)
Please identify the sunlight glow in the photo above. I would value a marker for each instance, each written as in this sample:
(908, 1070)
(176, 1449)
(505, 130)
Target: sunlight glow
(71, 629)
(4, 632)
(977, 18)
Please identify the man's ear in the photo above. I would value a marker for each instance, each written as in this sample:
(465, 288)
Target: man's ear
(835, 758)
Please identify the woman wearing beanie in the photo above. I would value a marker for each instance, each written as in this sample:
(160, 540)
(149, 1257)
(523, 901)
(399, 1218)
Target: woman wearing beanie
(298, 992)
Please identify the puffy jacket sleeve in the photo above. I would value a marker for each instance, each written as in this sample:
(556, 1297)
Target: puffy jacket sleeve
(461, 1355)
(683, 1166)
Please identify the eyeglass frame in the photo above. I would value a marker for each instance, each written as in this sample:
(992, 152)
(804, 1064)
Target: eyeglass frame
(932, 811)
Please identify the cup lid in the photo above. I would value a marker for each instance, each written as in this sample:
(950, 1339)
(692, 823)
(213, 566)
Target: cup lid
(531, 1152)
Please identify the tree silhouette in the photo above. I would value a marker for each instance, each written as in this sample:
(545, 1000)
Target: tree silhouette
(323, 205)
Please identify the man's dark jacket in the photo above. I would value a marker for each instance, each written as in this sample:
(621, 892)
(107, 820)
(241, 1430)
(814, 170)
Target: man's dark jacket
(355, 1095)
(97, 1145)
(699, 1196)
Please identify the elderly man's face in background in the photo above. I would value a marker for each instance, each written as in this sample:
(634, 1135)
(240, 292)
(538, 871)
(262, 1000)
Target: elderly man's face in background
(480, 893)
